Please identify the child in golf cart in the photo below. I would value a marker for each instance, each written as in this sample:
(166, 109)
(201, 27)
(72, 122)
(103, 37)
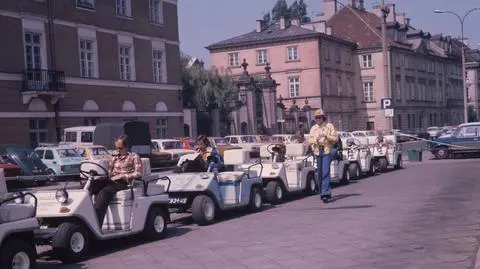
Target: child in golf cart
(208, 152)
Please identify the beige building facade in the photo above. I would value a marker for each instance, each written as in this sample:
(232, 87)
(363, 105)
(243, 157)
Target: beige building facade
(88, 61)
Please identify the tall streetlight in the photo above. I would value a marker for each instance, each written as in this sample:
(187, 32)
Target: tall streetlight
(462, 20)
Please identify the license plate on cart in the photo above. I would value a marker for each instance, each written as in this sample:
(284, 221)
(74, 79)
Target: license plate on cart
(178, 200)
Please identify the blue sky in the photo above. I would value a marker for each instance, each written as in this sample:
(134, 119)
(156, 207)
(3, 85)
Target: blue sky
(202, 22)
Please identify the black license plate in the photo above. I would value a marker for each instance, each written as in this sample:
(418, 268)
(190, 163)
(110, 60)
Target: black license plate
(178, 200)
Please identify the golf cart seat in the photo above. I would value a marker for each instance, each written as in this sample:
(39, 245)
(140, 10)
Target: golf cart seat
(296, 151)
(264, 154)
(9, 210)
(239, 158)
(235, 176)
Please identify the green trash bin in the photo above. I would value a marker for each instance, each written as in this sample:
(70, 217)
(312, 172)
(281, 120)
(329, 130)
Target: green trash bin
(414, 155)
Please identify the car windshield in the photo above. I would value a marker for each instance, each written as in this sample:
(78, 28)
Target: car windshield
(371, 133)
(172, 145)
(389, 132)
(359, 134)
(276, 139)
(191, 144)
(247, 139)
(22, 153)
(220, 141)
(67, 153)
(99, 151)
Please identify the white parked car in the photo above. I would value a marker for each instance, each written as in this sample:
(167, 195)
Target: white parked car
(69, 222)
(171, 146)
(203, 193)
(17, 226)
(281, 177)
(247, 142)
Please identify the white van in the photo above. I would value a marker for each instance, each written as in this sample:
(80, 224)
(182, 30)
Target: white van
(78, 135)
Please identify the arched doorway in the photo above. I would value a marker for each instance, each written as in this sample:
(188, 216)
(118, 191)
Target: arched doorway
(243, 128)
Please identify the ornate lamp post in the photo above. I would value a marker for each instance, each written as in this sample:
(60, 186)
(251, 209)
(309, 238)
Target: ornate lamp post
(280, 112)
(294, 108)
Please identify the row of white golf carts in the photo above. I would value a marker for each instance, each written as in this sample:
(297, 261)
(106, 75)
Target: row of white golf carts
(65, 218)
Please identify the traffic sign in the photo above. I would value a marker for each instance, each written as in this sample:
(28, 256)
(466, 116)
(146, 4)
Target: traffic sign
(389, 113)
(387, 103)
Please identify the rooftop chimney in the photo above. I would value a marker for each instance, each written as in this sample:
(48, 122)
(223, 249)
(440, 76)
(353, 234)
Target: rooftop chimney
(330, 8)
(401, 18)
(295, 22)
(260, 25)
(282, 23)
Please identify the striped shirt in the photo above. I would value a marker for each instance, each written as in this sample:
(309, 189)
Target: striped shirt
(129, 165)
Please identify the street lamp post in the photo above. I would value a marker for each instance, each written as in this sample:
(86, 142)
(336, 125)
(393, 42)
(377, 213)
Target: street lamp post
(307, 108)
(462, 20)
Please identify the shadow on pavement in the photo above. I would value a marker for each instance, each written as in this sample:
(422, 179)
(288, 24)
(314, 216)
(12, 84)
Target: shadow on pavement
(343, 196)
(102, 248)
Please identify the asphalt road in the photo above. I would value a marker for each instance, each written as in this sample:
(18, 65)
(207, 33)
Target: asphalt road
(423, 216)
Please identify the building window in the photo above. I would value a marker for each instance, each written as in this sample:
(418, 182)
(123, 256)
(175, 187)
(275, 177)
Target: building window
(33, 48)
(294, 86)
(292, 53)
(156, 11)
(398, 90)
(125, 63)
(86, 59)
(124, 8)
(328, 85)
(262, 57)
(157, 58)
(85, 4)
(339, 86)
(338, 55)
(349, 86)
(326, 53)
(367, 61)
(348, 58)
(368, 91)
(91, 121)
(38, 131)
(162, 128)
(233, 59)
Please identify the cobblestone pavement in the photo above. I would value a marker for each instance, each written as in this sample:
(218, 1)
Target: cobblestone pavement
(423, 216)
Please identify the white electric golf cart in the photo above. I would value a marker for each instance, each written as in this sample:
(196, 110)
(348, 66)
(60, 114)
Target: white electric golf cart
(68, 221)
(360, 159)
(386, 153)
(198, 189)
(17, 225)
(339, 172)
(286, 174)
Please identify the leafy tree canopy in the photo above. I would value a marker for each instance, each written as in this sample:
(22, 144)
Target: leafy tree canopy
(297, 10)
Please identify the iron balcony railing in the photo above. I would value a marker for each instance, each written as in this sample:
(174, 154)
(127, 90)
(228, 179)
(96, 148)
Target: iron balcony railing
(43, 80)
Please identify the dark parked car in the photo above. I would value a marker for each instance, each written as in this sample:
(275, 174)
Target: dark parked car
(465, 140)
(28, 161)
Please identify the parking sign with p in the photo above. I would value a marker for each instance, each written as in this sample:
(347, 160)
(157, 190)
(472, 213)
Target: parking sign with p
(387, 103)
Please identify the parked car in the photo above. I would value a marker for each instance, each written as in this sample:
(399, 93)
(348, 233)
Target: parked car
(9, 169)
(61, 160)
(286, 138)
(465, 140)
(188, 143)
(170, 146)
(221, 144)
(433, 131)
(93, 152)
(247, 142)
(28, 161)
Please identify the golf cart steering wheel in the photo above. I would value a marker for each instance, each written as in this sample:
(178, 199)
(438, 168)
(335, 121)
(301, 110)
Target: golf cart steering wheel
(271, 146)
(92, 172)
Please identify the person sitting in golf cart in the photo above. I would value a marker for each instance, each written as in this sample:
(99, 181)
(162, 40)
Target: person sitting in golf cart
(206, 150)
(123, 168)
(380, 139)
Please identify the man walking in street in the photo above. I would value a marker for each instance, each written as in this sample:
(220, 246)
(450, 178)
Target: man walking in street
(322, 138)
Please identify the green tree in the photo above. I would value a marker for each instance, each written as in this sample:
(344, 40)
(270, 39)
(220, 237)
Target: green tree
(302, 12)
(280, 10)
(267, 18)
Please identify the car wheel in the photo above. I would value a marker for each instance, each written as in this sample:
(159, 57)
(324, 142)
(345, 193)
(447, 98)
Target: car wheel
(255, 199)
(354, 171)
(274, 192)
(203, 210)
(441, 153)
(71, 242)
(156, 224)
(382, 164)
(311, 187)
(52, 174)
(17, 254)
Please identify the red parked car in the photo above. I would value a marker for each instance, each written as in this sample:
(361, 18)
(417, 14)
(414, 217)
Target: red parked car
(10, 170)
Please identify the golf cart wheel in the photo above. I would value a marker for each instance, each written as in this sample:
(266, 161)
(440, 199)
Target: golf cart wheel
(156, 224)
(71, 242)
(203, 210)
(17, 254)
(346, 176)
(399, 164)
(274, 192)
(441, 153)
(354, 171)
(311, 184)
(255, 199)
(382, 164)
(373, 169)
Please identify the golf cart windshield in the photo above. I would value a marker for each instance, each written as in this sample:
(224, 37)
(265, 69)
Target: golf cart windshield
(172, 145)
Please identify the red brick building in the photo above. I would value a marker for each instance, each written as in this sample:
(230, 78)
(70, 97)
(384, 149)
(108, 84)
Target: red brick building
(81, 62)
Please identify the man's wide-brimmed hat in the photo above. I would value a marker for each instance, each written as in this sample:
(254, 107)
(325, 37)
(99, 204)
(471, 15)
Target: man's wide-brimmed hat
(319, 113)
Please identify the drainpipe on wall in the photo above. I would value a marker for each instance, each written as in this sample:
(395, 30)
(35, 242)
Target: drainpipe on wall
(51, 46)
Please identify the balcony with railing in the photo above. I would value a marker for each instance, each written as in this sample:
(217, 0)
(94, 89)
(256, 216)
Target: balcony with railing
(37, 82)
